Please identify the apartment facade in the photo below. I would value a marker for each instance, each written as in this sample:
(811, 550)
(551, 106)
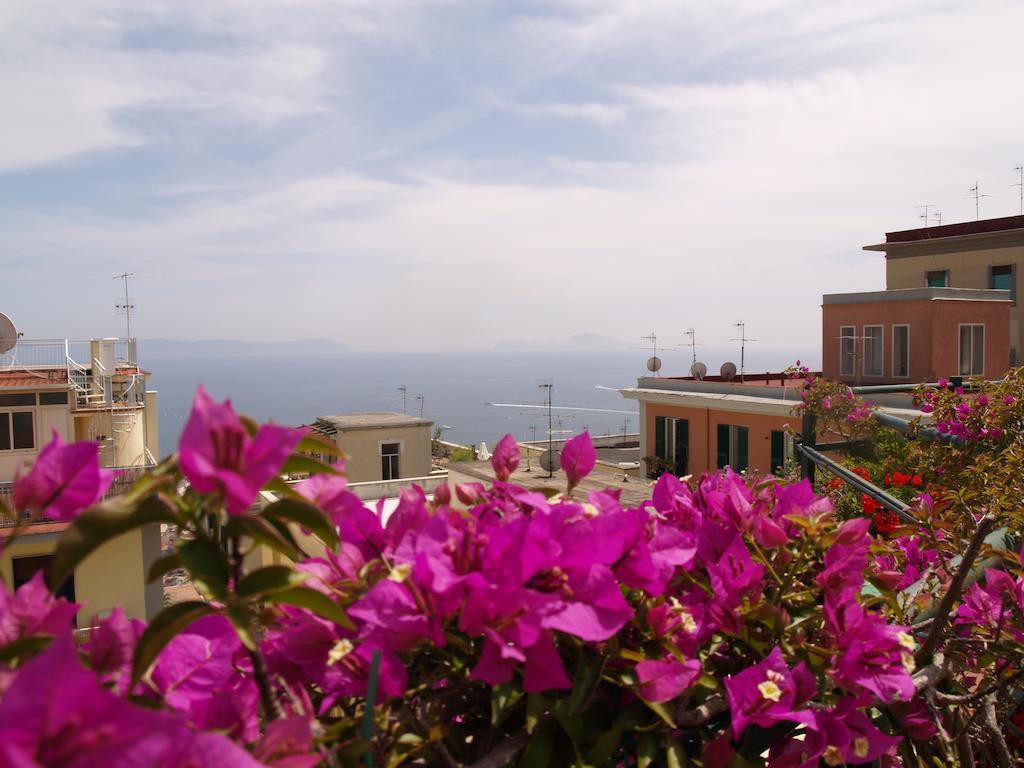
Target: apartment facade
(986, 254)
(81, 390)
(912, 335)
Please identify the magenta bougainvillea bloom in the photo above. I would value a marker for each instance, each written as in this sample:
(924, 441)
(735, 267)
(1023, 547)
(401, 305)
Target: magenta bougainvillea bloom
(32, 610)
(843, 735)
(769, 693)
(578, 458)
(664, 679)
(218, 455)
(110, 646)
(64, 480)
(56, 713)
(505, 458)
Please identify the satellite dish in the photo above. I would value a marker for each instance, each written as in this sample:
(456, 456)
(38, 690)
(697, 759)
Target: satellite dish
(549, 460)
(654, 364)
(698, 371)
(728, 371)
(8, 334)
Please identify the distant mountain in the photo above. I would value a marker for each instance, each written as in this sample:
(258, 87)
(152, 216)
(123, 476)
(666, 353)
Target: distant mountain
(227, 348)
(583, 342)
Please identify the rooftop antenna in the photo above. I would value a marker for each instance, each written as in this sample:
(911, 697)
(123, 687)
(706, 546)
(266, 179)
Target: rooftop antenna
(421, 399)
(693, 341)
(743, 340)
(924, 215)
(977, 197)
(404, 390)
(653, 362)
(938, 218)
(1020, 171)
(126, 306)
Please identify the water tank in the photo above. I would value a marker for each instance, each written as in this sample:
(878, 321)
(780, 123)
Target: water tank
(104, 357)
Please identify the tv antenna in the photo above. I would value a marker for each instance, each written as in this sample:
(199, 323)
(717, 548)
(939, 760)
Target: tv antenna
(126, 305)
(925, 214)
(743, 340)
(976, 193)
(404, 390)
(1020, 171)
(421, 400)
(549, 465)
(693, 341)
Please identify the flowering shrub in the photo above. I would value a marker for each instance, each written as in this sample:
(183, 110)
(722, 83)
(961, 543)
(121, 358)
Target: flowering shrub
(726, 623)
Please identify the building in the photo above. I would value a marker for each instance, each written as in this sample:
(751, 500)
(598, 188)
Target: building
(985, 254)
(911, 335)
(690, 426)
(82, 390)
(380, 447)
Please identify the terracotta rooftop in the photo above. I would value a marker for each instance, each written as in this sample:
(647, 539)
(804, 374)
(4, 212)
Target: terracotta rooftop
(46, 378)
(749, 379)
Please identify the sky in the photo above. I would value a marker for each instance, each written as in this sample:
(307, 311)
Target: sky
(418, 175)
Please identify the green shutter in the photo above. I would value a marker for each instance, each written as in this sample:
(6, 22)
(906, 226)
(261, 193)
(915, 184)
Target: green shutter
(682, 446)
(723, 446)
(778, 451)
(659, 436)
(741, 448)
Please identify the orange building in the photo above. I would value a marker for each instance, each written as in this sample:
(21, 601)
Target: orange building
(913, 335)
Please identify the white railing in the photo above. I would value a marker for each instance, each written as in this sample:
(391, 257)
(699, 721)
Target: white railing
(55, 354)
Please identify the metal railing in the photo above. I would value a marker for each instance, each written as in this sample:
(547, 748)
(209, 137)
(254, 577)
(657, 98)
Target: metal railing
(55, 354)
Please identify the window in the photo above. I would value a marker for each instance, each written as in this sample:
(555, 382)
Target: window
(782, 450)
(847, 351)
(18, 399)
(389, 460)
(872, 350)
(732, 447)
(53, 398)
(17, 431)
(937, 278)
(1002, 278)
(672, 442)
(972, 350)
(901, 351)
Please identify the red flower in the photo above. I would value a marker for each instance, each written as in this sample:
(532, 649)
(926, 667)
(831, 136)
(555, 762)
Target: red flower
(862, 473)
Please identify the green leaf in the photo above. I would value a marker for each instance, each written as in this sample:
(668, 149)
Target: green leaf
(239, 617)
(162, 566)
(263, 532)
(536, 705)
(540, 748)
(308, 465)
(661, 711)
(100, 524)
(272, 578)
(207, 564)
(503, 700)
(588, 675)
(317, 602)
(307, 516)
(676, 754)
(162, 629)
(23, 646)
(646, 749)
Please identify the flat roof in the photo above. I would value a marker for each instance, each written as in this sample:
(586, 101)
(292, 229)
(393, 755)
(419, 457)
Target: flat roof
(917, 294)
(633, 490)
(341, 422)
(1007, 230)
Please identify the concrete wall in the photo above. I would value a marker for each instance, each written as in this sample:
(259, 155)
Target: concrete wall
(968, 268)
(703, 428)
(934, 337)
(114, 575)
(46, 418)
(363, 449)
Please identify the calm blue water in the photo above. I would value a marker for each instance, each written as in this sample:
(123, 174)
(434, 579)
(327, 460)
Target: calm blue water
(455, 386)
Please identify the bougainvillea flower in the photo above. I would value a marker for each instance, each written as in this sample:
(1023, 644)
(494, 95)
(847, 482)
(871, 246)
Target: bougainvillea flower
(32, 610)
(847, 558)
(56, 713)
(843, 735)
(734, 576)
(218, 455)
(505, 458)
(542, 667)
(397, 619)
(64, 480)
(578, 458)
(110, 647)
(665, 679)
(205, 673)
(769, 693)
(288, 743)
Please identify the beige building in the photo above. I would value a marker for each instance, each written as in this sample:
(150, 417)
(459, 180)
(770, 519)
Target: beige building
(978, 254)
(380, 446)
(82, 390)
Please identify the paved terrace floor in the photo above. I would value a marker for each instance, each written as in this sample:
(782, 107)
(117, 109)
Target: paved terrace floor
(633, 491)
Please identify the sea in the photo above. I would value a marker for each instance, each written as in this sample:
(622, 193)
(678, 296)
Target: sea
(473, 396)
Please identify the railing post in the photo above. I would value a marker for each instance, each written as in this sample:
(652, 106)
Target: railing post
(808, 437)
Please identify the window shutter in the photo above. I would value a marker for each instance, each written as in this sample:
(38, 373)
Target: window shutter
(742, 437)
(723, 445)
(682, 446)
(659, 436)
